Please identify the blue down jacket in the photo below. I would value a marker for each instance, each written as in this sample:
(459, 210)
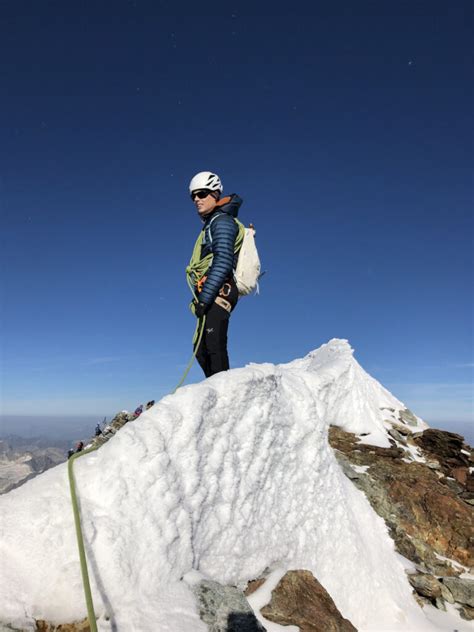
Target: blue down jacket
(220, 233)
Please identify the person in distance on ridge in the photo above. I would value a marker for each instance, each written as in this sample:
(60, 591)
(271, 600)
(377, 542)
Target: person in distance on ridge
(211, 268)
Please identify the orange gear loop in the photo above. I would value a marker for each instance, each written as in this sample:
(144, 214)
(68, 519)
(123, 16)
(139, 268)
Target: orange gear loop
(200, 283)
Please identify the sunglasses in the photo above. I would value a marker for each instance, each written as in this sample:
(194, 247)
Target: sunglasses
(203, 193)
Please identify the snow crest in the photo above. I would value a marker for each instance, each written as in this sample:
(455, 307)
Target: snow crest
(228, 477)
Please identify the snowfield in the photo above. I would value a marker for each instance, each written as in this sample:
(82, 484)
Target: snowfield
(228, 477)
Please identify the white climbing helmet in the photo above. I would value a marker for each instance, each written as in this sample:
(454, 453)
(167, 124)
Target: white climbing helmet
(206, 180)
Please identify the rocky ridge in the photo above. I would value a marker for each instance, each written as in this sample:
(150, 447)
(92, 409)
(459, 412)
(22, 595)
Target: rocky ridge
(423, 487)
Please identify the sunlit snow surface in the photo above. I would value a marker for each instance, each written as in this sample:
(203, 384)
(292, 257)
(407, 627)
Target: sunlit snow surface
(228, 477)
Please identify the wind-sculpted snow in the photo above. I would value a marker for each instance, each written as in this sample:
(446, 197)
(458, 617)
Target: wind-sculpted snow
(347, 395)
(228, 477)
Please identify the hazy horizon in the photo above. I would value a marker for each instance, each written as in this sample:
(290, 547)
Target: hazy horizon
(58, 427)
(80, 427)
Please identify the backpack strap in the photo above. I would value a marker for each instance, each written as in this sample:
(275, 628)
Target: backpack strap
(208, 227)
(240, 235)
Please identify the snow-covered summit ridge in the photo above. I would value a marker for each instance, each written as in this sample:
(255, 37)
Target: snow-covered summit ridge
(348, 396)
(336, 350)
(227, 477)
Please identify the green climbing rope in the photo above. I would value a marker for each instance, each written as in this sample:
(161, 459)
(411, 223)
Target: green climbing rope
(75, 505)
(80, 539)
(199, 331)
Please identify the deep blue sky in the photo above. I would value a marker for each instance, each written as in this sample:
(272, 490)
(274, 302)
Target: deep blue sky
(345, 126)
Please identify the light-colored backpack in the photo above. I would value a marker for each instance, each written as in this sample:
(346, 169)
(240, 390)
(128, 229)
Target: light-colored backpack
(247, 271)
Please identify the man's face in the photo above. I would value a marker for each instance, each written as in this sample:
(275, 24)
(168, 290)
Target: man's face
(203, 201)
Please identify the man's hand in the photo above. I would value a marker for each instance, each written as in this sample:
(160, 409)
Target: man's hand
(200, 309)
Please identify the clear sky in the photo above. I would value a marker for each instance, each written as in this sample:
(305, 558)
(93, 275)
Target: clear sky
(346, 127)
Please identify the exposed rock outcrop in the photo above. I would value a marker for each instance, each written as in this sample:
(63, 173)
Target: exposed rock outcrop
(430, 587)
(44, 626)
(461, 589)
(225, 608)
(299, 599)
(112, 428)
(424, 502)
(454, 457)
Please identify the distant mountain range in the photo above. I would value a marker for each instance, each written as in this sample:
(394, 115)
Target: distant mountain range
(23, 458)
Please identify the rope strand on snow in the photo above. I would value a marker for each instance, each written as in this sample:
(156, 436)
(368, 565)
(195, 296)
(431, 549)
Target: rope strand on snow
(75, 504)
(80, 540)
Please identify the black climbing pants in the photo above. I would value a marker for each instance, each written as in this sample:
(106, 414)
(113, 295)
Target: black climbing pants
(212, 353)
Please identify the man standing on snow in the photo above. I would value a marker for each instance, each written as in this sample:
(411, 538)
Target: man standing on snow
(211, 268)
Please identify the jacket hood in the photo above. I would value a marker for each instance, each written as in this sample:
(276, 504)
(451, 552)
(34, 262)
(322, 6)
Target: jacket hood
(230, 204)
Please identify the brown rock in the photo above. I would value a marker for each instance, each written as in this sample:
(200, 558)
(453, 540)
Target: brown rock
(457, 488)
(299, 599)
(467, 613)
(460, 474)
(45, 626)
(470, 482)
(446, 447)
(426, 518)
(426, 585)
(429, 587)
(404, 430)
(398, 436)
(254, 585)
